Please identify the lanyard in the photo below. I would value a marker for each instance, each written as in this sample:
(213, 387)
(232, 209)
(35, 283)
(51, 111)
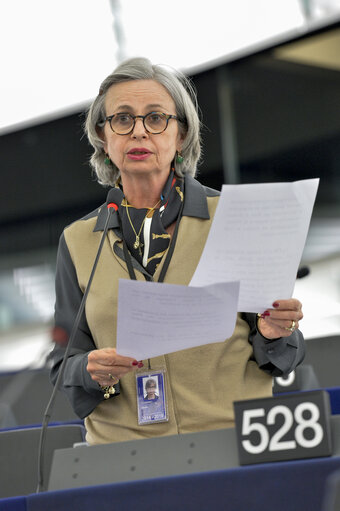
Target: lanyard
(168, 255)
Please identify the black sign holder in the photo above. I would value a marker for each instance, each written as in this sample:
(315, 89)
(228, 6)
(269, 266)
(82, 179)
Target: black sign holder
(285, 427)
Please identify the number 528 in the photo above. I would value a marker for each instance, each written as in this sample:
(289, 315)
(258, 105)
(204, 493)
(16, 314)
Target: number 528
(276, 442)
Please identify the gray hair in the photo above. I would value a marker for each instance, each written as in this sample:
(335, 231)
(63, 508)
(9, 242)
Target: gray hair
(183, 94)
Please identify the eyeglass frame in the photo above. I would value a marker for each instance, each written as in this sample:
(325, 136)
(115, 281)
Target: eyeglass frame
(134, 117)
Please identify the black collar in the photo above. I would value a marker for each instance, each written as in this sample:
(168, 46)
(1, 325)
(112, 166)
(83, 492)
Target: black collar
(195, 205)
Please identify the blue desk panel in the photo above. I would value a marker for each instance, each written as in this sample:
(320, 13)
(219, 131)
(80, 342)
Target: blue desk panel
(293, 486)
(13, 504)
(334, 395)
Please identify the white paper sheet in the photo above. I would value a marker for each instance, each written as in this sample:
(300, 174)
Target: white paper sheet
(257, 237)
(155, 319)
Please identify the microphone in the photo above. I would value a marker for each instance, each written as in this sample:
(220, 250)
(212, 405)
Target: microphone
(302, 272)
(111, 207)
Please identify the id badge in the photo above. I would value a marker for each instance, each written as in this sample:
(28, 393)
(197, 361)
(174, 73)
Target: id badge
(151, 397)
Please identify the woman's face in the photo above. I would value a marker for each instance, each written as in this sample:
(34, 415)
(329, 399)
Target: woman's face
(151, 390)
(139, 152)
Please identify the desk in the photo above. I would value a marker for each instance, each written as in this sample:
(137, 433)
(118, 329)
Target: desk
(293, 486)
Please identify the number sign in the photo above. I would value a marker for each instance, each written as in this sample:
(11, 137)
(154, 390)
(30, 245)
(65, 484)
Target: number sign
(287, 384)
(285, 427)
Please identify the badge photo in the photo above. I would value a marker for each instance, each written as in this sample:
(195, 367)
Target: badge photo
(151, 397)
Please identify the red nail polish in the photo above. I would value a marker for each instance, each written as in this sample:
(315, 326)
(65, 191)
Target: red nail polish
(140, 364)
(276, 304)
(135, 363)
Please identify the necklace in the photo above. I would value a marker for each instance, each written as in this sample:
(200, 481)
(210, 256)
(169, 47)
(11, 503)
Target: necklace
(138, 244)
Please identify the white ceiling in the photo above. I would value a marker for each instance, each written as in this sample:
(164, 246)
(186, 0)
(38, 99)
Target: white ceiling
(55, 54)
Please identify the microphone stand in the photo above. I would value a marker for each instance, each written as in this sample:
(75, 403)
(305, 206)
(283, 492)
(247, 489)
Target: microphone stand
(49, 408)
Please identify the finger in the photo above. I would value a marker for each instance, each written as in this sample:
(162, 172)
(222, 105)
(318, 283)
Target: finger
(290, 304)
(282, 315)
(104, 373)
(98, 371)
(101, 374)
(109, 357)
(283, 324)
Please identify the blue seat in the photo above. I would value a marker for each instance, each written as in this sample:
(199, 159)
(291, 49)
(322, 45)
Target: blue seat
(19, 455)
(26, 393)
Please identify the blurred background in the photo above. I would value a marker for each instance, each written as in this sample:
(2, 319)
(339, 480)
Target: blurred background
(267, 75)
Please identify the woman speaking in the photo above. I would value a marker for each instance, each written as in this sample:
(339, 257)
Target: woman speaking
(145, 131)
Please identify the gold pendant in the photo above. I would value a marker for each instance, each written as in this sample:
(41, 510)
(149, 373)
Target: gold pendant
(136, 243)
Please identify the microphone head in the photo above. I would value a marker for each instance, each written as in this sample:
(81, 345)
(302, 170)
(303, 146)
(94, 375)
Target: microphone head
(111, 199)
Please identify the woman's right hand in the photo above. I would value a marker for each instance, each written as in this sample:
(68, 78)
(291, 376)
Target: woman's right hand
(106, 367)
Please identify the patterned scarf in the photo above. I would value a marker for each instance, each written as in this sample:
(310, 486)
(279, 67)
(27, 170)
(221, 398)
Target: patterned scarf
(144, 230)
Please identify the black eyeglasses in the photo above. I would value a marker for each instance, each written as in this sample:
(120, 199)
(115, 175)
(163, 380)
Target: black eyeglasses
(154, 122)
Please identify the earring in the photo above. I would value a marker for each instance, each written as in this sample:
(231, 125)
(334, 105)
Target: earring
(107, 160)
(179, 158)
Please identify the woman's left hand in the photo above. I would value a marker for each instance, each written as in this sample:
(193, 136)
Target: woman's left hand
(282, 320)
